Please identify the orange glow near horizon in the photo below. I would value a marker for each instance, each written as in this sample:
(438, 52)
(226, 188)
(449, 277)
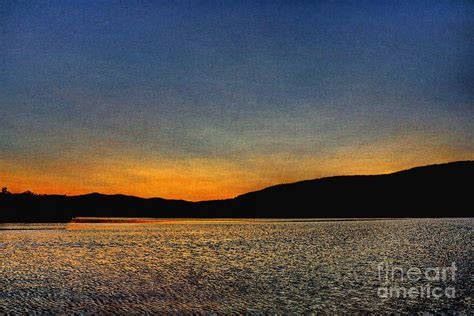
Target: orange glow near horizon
(212, 178)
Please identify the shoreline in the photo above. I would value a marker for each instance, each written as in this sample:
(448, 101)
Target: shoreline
(122, 220)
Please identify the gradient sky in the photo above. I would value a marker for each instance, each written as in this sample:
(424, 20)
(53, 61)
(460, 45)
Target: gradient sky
(198, 100)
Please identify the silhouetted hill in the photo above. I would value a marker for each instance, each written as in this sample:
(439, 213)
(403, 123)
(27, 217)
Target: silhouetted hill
(431, 191)
(436, 190)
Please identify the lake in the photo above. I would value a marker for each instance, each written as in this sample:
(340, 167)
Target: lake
(238, 266)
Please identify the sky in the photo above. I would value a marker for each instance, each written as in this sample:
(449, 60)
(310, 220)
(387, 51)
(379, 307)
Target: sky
(205, 100)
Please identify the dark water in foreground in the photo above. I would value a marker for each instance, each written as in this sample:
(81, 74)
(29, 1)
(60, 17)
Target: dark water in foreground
(232, 266)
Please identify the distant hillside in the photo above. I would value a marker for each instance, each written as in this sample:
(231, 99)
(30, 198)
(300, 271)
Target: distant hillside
(436, 190)
(432, 191)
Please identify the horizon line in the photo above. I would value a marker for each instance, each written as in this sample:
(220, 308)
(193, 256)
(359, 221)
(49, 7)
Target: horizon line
(258, 190)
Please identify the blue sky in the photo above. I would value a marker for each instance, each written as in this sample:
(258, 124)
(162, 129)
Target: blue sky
(208, 99)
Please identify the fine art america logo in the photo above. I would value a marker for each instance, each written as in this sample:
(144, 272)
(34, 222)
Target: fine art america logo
(414, 282)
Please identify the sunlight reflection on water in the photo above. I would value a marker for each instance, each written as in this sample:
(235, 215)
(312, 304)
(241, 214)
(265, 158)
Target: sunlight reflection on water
(225, 265)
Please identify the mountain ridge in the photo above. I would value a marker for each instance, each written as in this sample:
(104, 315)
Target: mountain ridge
(437, 190)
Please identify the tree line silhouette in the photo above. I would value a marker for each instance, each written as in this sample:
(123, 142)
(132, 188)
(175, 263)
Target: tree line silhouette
(430, 191)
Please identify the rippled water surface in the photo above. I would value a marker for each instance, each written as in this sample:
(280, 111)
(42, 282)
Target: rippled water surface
(229, 266)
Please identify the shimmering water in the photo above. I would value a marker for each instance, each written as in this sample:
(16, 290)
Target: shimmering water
(228, 266)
